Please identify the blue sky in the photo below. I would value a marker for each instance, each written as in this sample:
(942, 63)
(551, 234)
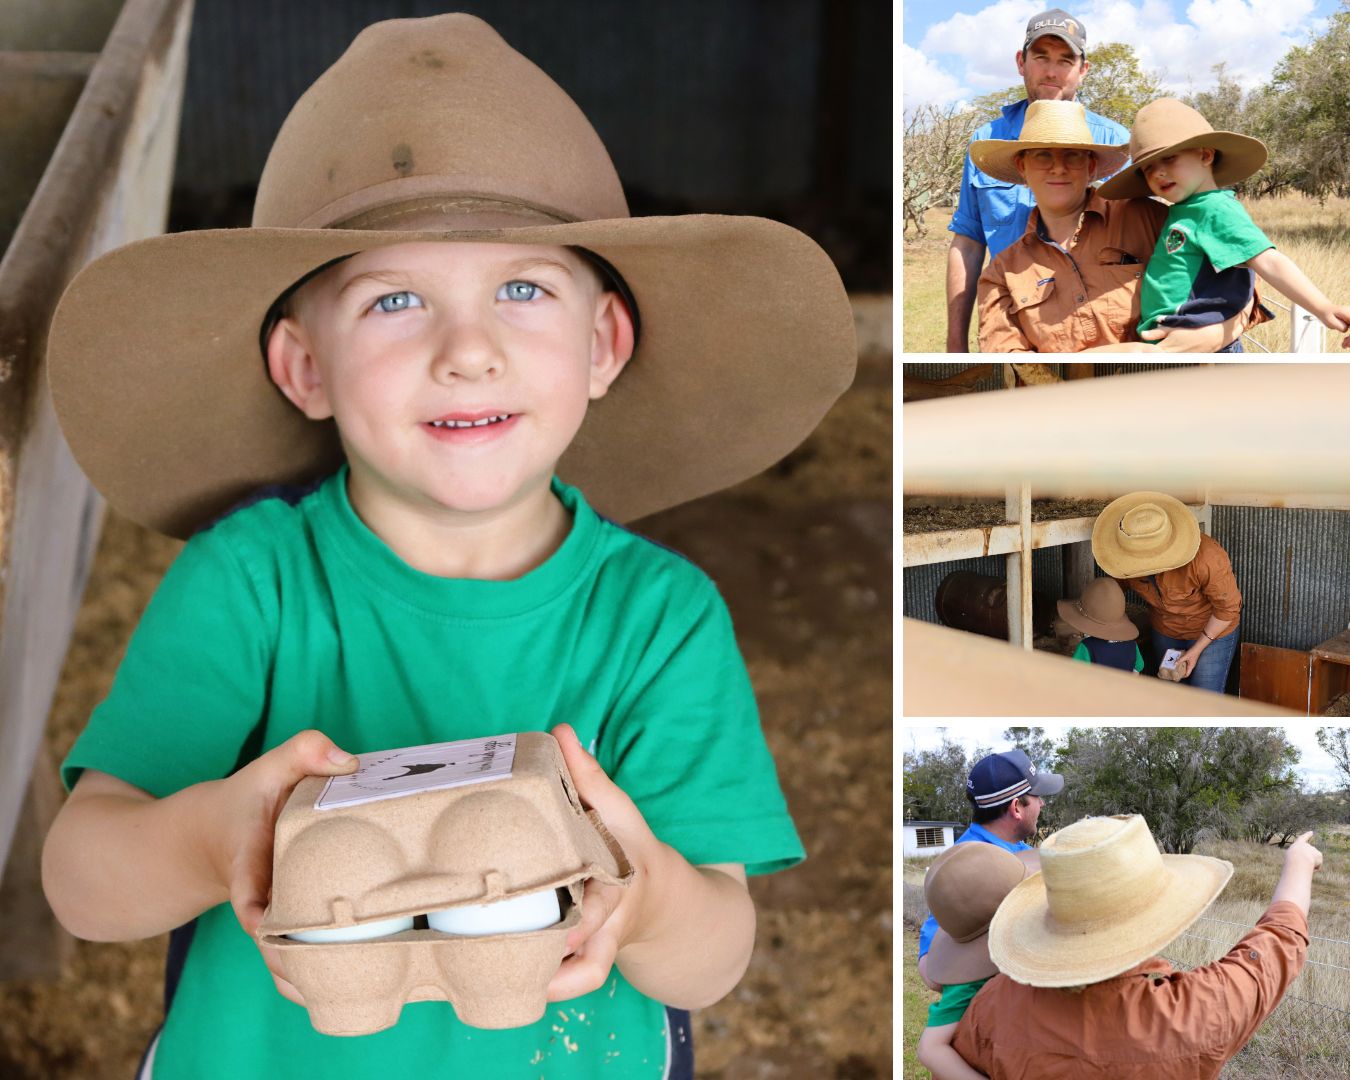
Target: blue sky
(1315, 765)
(954, 50)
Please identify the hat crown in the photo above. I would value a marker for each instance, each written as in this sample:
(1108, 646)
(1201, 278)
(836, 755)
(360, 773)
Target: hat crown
(965, 885)
(1162, 123)
(1103, 601)
(1101, 869)
(442, 106)
(1145, 529)
(1052, 123)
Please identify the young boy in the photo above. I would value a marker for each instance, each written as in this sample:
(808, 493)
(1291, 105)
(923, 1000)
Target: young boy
(1108, 635)
(1201, 271)
(963, 889)
(443, 582)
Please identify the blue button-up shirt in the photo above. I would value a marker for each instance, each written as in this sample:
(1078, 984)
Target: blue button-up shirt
(994, 212)
(975, 832)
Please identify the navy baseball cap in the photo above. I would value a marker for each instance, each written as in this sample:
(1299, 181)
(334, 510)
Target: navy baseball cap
(1000, 778)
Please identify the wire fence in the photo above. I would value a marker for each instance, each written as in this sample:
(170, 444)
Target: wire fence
(1301, 324)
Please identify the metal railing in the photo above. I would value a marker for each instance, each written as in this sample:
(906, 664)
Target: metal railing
(1306, 332)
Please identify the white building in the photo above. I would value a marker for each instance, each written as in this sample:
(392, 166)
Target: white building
(924, 839)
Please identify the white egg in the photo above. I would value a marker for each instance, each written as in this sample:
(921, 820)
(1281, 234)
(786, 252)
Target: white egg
(361, 932)
(533, 911)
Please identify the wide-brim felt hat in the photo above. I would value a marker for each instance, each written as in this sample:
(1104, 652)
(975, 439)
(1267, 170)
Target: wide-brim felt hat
(1048, 125)
(1105, 900)
(1143, 533)
(963, 888)
(436, 129)
(1166, 126)
(1100, 612)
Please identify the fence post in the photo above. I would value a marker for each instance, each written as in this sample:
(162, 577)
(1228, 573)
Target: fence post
(1305, 333)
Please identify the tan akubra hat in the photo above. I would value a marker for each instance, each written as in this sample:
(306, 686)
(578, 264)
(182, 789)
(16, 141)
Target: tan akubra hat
(1167, 125)
(1048, 125)
(436, 129)
(963, 888)
(1145, 532)
(1105, 900)
(1100, 611)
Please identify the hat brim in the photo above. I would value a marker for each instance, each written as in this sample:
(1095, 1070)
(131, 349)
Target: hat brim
(1122, 564)
(951, 961)
(163, 395)
(1241, 157)
(1028, 945)
(994, 157)
(1120, 630)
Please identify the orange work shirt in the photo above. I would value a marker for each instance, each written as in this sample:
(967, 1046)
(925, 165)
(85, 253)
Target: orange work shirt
(1039, 297)
(1151, 1023)
(1181, 601)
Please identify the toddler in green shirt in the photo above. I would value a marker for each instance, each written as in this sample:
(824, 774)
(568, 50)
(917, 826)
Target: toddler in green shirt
(963, 889)
(1202, 270)
(400, 418)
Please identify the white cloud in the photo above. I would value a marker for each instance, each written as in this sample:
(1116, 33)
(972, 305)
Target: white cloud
(924, 82)
(1250, 36)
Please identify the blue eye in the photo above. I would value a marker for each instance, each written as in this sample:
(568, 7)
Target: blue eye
(398, 301)
(519, 291)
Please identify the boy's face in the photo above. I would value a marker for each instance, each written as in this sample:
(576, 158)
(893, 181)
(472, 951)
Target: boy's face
(457, 373)
(1179, 176)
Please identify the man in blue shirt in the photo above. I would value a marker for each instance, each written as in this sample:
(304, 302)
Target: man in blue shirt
(991, 214)
(1007, 794)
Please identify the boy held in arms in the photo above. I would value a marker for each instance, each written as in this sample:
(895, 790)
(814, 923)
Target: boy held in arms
(442, 304)
(1201, 271)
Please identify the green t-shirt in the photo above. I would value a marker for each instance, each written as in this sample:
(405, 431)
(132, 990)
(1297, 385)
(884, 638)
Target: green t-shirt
(1203, 242)
(949, 1008)
(287, 616)
(1081, 653)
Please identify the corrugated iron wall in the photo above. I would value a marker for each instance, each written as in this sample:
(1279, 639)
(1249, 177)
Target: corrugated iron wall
(1293, 568)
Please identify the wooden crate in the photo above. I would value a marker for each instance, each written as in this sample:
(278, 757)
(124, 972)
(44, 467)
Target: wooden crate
(1330, 676)
(1274, 675)
(90, 93)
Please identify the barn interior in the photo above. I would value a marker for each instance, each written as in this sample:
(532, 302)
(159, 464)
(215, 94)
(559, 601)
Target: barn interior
(1006, 467)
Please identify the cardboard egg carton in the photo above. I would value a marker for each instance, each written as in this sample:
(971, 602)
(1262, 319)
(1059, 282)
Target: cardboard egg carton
(425, 852)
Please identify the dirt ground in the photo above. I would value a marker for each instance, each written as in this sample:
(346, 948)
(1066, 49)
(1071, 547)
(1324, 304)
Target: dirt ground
(803, 557)
(955, 513)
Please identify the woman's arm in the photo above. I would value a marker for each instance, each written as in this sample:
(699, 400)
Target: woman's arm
(940, 1058)
(1213, 628)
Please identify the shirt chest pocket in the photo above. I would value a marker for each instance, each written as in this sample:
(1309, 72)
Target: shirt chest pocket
(997, 199)
(1029, 290)
(1118, 304)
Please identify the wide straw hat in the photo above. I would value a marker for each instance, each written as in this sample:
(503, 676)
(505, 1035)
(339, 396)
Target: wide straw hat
(1145, 532)
(1048, 125)
(436, 129)
(963, 888)
(1105, 900)
(1100, 611)
(1167, 125)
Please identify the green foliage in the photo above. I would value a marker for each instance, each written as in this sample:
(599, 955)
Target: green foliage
(1116, 86)
(1182, 780)
(935, 783)
(1308, 105)
(1336, 742)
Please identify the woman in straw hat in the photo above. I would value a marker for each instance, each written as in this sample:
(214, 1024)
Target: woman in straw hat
(1149, 541)
(1082, 991)
(1072, 281)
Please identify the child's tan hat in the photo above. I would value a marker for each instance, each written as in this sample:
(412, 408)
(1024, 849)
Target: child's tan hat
(1142, 533)
(1048, 125)
(1167, 125)
(963, 888)
(1100, 611)
(1105, 900)
(435, 129)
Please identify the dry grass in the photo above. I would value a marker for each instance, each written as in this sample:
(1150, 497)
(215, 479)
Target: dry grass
(1314, 235)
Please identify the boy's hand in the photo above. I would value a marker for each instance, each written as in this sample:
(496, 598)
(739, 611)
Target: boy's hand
(1337, 318)
(240, 837)
(612, 915)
